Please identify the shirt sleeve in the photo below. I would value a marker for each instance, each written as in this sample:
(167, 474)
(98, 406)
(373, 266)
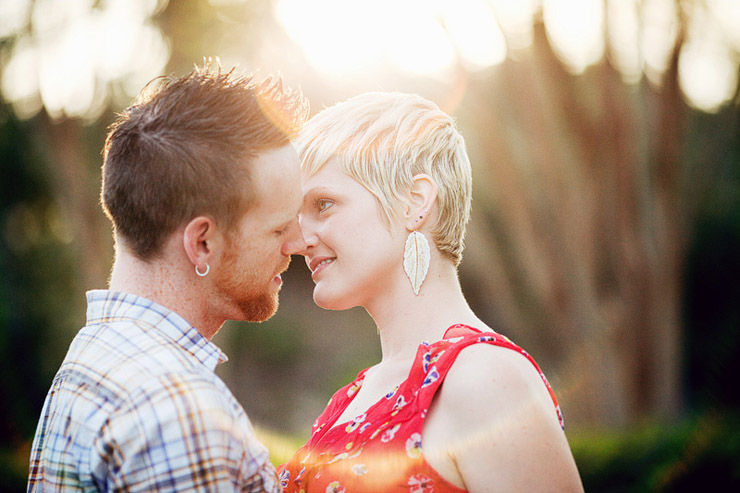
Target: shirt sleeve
(181, 433)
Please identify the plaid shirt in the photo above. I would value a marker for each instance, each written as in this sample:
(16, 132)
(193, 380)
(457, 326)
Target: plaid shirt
(136, 406)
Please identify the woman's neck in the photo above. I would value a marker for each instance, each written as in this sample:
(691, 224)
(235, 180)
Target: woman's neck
(404, 319)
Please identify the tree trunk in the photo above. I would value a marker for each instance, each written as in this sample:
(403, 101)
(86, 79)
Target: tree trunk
(582, 230)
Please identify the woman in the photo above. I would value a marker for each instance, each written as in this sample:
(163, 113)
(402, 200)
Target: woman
(387, 191)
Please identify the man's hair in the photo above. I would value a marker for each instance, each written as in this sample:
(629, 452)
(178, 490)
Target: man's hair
(382, 140)
(183, 148)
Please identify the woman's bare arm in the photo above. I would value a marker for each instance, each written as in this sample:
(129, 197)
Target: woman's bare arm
(493, 427)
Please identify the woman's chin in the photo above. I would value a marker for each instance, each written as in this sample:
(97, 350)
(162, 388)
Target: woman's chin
(328, 302)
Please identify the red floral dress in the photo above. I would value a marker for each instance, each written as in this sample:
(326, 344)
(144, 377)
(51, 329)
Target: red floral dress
(381, 450)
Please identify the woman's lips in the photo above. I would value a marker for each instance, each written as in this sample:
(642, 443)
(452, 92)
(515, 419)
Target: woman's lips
(320, 266)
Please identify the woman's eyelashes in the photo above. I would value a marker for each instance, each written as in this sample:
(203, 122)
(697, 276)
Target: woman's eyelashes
(323, 204)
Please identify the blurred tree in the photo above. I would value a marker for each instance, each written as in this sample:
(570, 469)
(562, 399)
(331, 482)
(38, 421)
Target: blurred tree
(586, 228)
(37, 289)
(586, 208)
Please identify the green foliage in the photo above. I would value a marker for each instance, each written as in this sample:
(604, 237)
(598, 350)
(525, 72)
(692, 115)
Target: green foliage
(13, 468)
(711, 307)
(34, 285)
(702, 451)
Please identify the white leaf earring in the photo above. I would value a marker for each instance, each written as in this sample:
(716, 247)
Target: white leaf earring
(416, 256)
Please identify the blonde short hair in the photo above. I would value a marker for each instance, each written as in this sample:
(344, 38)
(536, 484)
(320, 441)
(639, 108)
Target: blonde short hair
(382, 140)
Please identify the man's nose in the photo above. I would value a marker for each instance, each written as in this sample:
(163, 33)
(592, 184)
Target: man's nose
(296, 245)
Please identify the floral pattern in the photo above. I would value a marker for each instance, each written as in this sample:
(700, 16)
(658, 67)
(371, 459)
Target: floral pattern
(335, 487)
(430, 358)
(432, 377)
(284, 478)
(352, 390)
(390, 433)
(413, 446)
(381, 450)
(352, 426)
(420, 483)
(400, 403)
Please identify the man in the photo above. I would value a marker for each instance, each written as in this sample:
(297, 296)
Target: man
(202, 186)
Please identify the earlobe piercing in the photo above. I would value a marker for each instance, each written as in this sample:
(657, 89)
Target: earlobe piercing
(421, 217)
(203, 274)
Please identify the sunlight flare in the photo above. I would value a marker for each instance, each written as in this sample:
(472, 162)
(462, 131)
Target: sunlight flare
(416, 37)
(707, 68)
(75, 49)
(623, 31)
(576, 31)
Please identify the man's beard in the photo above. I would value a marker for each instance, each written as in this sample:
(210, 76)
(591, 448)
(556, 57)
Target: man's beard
(257, 300)
(260, 307)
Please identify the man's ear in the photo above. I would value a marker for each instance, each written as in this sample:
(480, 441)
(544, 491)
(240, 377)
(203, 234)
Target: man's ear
(200, 239)
(422, 196)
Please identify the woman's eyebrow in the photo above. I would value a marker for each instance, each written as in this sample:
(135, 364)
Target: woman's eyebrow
(317, 190)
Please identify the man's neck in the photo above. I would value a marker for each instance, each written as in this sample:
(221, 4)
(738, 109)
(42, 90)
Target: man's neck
(164, 282)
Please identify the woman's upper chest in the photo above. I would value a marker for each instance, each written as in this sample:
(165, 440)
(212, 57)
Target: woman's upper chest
(374, 390)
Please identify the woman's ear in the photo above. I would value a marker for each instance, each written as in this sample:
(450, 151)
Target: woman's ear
(422, 195)
(200, 240)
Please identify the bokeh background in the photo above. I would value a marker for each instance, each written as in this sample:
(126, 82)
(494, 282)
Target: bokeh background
(605, 238)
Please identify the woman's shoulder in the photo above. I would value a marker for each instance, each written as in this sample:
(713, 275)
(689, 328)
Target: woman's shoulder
(497, 415)
(485, 368)
(460, 337)
(492, 367)
(490, 372)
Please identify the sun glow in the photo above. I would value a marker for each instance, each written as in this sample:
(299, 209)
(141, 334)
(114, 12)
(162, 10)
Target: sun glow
(431, 37)
(707, 68)
(419, 37)
(75, 55)
(75, 49)
(576, 32)
(515, 19)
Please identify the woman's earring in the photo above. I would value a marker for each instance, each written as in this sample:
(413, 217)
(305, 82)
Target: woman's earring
(416, 259)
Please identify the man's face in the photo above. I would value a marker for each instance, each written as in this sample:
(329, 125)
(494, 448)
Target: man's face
(259, 248)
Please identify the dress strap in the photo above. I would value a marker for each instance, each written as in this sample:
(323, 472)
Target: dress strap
(434, 362)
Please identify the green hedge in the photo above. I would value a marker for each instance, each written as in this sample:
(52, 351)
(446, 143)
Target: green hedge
(701, 454)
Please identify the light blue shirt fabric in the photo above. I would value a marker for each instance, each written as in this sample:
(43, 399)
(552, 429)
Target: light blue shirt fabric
(136, 406)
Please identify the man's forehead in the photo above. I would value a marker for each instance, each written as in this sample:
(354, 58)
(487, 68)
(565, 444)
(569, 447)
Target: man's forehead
(277, 186)
(276, 165)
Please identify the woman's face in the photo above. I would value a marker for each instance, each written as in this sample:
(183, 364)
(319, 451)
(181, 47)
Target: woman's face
(351, 253)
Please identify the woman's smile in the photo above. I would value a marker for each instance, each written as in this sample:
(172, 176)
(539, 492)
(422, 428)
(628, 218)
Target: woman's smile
(318, 264)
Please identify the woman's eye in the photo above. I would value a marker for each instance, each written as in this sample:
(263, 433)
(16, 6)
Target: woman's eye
(323, 204)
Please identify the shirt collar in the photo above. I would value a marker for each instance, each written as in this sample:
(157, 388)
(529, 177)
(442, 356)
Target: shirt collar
(105, 306)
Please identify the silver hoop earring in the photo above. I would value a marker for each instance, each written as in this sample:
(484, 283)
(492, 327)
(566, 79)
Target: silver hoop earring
(203, 274)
